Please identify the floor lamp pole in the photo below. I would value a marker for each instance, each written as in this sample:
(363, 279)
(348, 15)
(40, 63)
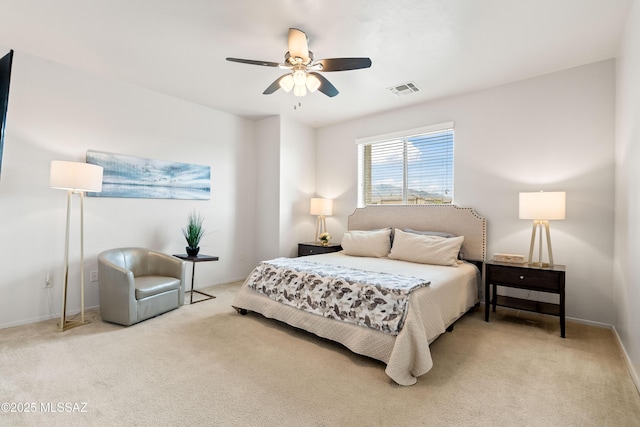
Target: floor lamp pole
(82, 257)
(64, 323)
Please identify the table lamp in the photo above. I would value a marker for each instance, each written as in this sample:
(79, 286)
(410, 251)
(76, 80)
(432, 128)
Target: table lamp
(76, 178)
(542, 207)
(321, 208)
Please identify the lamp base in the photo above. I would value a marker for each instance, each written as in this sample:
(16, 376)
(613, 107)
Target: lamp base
(540, 264)
(321, 227)
(538, 224)
(68, 324)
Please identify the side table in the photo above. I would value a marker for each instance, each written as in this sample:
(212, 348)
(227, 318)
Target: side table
(194, 260)
(523, 276)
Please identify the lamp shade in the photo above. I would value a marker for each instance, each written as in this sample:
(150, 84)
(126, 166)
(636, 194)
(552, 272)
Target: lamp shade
(286, 83)
(75, 176)
(543, 205)
(300, 90)
(299, 77)
(313, 83)
(320, 206)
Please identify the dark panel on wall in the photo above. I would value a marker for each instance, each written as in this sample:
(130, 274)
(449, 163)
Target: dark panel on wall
(5, 80)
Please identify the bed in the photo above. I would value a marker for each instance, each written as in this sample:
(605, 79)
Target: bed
(431, 309)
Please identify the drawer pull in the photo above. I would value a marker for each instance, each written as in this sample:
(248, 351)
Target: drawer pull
(521, 277)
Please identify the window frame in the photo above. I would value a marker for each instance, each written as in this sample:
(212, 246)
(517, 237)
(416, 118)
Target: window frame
(403, 135)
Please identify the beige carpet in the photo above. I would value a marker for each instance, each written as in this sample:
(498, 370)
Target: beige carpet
(204, 364)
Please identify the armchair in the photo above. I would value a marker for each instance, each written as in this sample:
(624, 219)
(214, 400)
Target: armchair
(137, 284)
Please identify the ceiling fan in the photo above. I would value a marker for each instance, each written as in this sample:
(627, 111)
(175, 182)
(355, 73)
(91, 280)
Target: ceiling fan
(304, 69)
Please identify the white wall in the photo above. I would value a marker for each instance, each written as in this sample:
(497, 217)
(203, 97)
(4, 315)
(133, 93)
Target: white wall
(58, 113)
(626, 289)
(554, 132)
(267, 240)
(297, 185)
(286, 181)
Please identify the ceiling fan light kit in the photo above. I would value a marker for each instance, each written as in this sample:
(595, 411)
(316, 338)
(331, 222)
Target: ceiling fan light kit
(300, 82)
(303, 75)
(312, 82)
(299, 90)
(286, 82)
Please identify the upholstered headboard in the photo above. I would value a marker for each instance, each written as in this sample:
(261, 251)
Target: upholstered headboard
(446, 218)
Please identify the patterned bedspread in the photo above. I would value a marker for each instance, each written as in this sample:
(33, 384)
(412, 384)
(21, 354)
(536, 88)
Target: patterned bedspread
(374, 300)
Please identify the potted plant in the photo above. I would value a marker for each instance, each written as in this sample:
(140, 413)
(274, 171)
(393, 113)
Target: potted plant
(193, 232)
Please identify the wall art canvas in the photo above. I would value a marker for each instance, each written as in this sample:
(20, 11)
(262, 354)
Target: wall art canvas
(137, 177)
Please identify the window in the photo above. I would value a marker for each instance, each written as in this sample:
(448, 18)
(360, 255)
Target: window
(409, 169)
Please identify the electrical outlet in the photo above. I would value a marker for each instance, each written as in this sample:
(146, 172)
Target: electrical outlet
(48, 281)
(94, 276)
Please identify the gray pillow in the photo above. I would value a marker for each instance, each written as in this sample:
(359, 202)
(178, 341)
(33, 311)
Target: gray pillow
(428, 233)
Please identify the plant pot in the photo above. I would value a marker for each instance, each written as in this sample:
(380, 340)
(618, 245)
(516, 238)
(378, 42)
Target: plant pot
(192, 251)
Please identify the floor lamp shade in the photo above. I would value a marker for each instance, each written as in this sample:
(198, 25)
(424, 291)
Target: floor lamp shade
(542, 207)
(321, 208)
(76, 178)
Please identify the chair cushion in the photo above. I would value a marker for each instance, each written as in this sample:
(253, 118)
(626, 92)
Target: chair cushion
(147, 286)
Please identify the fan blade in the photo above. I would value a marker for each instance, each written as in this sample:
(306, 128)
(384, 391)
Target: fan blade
(253, 62)
(343, 64)
(298, 45)
(325, 86)
(274, 86)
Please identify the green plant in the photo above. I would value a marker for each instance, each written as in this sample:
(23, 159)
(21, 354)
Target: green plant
(193, 232)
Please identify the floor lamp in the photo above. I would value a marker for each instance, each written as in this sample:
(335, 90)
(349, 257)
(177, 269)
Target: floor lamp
(541, 207)
(76, 178)
(321, 208)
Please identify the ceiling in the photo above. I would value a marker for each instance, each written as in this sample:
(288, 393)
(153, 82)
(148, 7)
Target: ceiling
(444, 46)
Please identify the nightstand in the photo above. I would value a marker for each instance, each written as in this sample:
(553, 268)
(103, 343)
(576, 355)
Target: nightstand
(312, 248)
(523, 276)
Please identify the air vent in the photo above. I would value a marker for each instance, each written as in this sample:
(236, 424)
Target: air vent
(404, 89)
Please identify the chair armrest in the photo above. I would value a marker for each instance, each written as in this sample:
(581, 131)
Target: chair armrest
(117, 292)
(116, 279)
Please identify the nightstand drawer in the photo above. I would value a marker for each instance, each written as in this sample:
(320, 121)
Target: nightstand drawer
(526, 278)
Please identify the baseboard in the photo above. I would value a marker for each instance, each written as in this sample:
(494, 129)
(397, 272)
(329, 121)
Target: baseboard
(550, 316)
(588, 322)
(627, 359)
(43, 318)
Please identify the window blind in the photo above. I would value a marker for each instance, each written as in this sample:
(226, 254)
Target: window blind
(416, 169)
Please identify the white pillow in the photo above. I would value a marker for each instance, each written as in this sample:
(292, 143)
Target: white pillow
(425, 249)
(367, 243)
